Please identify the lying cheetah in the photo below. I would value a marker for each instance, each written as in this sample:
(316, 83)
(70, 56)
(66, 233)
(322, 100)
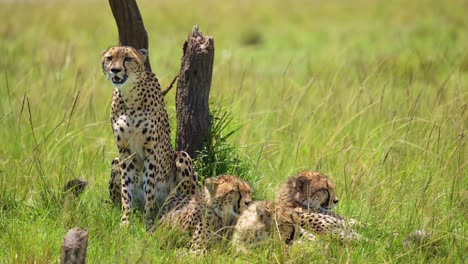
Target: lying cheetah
(304, 203)
(141, 129)
(209, 213)
(309, 190)
(254, 225)
(307, 200)
(259, 222)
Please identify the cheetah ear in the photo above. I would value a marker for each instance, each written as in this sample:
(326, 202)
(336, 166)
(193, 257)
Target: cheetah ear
(143, 53)
(211, 185)
(330, 185)
(260, 211)
(103, 51)
(300, 182)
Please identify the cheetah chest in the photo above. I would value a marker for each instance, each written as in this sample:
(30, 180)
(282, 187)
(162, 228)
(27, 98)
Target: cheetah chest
(131, 132)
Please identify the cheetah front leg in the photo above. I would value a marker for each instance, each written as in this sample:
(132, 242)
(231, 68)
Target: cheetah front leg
(115, 182)
(305, 235)
(151, 170)
(158, 177)
(201, 235)
(329, 224)
(128, 169)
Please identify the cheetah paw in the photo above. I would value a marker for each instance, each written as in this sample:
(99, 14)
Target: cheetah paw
(124, 223)
(306, 235)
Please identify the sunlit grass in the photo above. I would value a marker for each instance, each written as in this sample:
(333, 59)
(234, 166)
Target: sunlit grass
(371, 93)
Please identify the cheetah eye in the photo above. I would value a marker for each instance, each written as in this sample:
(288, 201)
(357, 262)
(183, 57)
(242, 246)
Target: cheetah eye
(128, 59)
(109, 58)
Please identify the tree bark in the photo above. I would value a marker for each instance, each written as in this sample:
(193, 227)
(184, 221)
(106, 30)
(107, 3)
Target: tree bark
(74, 246)
(193, 87)
(132, 31)
(193, 90)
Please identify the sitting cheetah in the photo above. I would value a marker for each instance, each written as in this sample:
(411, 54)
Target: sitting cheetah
(141, 129)
(304, 203)
(210, 212)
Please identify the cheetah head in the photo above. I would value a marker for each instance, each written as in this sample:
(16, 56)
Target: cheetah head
(313, 190)
(229, 196)
(123, 65)
(264, 210)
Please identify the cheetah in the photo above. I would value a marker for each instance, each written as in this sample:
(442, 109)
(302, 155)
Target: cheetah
(209, 213)
(146, 165)
(309, 190)
(254, 225)
(259, 222)
(305, 202)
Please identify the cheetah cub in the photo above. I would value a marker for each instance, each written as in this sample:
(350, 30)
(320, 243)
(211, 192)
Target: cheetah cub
(304, 204)
(209, 214)
(307, 200)
(254, 225)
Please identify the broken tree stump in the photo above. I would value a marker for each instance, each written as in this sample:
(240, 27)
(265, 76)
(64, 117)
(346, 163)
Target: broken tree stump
(193, 90)
(132, 31)
(74, 246)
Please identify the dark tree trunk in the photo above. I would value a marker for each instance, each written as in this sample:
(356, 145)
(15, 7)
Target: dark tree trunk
(74, 246)
(193, 90)
(193, 87)
(132, 31)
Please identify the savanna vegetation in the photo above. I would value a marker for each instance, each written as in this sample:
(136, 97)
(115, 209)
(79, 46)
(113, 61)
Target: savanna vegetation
(371, 93)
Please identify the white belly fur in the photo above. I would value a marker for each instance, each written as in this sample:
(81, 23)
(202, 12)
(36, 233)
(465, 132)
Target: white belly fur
(135, 143)
(130, 136)
(133, 140)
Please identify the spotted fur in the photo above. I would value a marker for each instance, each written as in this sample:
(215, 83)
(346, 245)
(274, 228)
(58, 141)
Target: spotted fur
(306, 200)
(186, 178)
(308, 189)
(254, 225)
(208, 214)
(302, 209)
(146, 167)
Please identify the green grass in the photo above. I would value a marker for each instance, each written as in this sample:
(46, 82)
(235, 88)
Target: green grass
(371, 93)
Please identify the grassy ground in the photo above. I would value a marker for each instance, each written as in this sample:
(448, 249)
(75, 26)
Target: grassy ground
(371, 93)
